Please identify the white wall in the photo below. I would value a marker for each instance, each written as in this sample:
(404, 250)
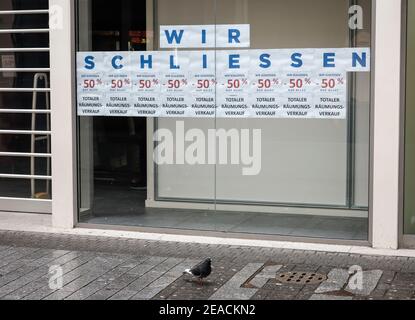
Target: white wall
(387, 51)
(64, 205)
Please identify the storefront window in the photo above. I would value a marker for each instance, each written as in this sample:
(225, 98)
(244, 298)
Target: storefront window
(409, 202)
(241, 117)
(25, 154)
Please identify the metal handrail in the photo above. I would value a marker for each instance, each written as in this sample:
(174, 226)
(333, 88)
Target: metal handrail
(36, 11)
(24, 176)
(36, 78)
(24, 111)
(24, 69)
(25, 154)
(24, 89)
(40, 30)
(35, 132)
(24, 49)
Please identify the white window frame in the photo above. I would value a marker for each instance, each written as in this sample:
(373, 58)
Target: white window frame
(384, 201)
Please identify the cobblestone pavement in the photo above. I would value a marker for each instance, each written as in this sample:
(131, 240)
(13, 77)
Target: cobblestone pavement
(58, 266)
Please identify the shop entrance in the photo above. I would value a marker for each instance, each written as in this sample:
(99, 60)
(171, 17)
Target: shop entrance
(116, 147)
(312, 175)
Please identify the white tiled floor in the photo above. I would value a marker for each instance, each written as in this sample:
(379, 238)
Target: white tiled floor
(240, 222)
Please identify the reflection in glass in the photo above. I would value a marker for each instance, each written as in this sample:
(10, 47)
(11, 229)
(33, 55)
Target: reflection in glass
(314, 176)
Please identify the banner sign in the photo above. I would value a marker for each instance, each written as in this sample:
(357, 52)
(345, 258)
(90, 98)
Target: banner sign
(261, 83)
(205, 36)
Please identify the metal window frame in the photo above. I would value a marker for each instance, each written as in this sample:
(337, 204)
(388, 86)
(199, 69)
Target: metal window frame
(152, 185)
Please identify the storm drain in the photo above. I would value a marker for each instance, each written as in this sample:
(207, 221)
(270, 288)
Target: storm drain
(299, 277)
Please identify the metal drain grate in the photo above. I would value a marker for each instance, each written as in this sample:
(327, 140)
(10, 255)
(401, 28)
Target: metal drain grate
(299, 277)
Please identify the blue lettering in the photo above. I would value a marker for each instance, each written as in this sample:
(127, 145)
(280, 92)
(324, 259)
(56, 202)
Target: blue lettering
(89, 62)
(203, 36)
(172, 64)
(234, 61)
(174, 36)
(265, 62)
(114, 62)
(328, 60)
(148, 61)
(233, 35)
(357, 59)
(205, 62)
(296, 59)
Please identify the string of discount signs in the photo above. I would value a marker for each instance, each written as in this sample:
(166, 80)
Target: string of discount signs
(287, 83)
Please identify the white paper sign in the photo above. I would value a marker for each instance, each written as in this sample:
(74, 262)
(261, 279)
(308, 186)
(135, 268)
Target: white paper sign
(174, 82)
(233, 84)
(266, 84)
(90, 84)
(205, 36)
(262, 83)
(145, 96)
(203, 84)
(298, 86)
(118, 85)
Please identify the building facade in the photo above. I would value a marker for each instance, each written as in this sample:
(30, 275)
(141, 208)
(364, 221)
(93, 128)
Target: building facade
(276, 120)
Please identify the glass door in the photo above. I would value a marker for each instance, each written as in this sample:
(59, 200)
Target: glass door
(136, 166)
(112, 147)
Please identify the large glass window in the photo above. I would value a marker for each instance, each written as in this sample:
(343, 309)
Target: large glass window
(283, 163)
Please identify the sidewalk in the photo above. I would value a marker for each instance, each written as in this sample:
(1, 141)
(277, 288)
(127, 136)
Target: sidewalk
(14, 221)
(94, 267)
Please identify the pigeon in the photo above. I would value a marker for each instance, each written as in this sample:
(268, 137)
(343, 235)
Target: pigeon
(201, 270)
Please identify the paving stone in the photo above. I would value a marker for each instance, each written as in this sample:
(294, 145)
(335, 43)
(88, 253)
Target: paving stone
(104, 280)
(77, 284)
(43, 280)
(98, 268)
(399, 294)
(232, 289)
(17, 254)
(336, 279)
(14, 280)
(102, 294)
(164, 281)
(369, 283)
(149, 273)
(268, 272)
(7, 252)
(68, 274)
(24, 261)
(329, 297)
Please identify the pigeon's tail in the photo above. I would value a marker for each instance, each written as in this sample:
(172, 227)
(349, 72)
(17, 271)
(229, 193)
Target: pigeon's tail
(187, 271)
